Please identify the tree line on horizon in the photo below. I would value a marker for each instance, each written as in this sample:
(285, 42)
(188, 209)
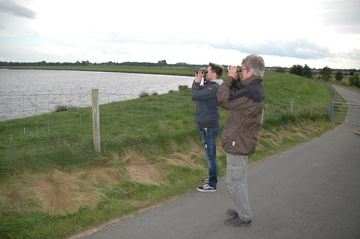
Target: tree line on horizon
(161, 63)
(324, 74)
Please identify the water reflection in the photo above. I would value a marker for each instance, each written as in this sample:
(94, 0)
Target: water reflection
(25, 93)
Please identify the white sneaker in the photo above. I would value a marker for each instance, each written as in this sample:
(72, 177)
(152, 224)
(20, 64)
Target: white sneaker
(206, 188)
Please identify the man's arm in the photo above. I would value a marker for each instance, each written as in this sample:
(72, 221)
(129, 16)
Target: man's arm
(223, 93)
(199, 93)
(229, 98)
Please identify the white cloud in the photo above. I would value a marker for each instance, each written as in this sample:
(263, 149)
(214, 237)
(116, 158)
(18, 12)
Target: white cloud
(14, 9)
(313, 32)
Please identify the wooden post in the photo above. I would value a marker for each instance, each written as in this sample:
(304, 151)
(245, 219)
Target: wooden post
(292, 106)
(96, 119)
(311, 108)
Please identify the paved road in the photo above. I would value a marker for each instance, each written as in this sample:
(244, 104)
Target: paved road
(310, 191)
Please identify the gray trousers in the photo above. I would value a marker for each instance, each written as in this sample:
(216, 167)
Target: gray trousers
(236, 183)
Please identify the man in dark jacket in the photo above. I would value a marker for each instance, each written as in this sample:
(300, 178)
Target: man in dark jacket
(245, 102)
(207, 117)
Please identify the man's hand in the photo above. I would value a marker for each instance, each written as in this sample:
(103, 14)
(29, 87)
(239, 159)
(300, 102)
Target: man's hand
(198, 76)
(232, 71)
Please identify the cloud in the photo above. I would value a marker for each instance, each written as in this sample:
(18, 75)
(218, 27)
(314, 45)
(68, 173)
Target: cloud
(354, 55)
(316, 32)
(296, 48)
(342, 16)
(16, 10)
(299, 48)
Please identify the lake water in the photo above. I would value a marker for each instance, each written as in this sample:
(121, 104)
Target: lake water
(25, 93)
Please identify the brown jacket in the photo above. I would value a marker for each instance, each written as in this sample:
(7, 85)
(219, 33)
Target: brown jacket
(240, 133)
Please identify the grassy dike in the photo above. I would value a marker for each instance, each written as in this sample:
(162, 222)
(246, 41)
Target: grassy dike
(68, 189)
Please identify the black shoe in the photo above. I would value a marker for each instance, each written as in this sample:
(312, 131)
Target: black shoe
(232, 212)
(237, 222)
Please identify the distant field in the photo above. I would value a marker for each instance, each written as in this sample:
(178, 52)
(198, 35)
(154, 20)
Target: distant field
(182, 71)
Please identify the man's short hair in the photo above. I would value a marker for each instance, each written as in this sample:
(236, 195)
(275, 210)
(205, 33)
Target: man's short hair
(218, 69)
(255, 64)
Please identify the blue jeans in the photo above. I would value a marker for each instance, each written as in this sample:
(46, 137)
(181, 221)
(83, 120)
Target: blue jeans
(208, 138)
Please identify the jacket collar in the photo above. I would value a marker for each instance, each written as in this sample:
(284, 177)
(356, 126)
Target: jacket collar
(249, 80)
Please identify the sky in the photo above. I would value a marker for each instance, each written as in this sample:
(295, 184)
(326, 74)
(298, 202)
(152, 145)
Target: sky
(318, 33)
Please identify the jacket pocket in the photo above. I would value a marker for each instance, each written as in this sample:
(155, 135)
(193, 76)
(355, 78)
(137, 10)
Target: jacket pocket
(228, 142)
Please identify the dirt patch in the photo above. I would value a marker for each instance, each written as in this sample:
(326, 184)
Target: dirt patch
(61, 193)
(184, 160)
(140, 170)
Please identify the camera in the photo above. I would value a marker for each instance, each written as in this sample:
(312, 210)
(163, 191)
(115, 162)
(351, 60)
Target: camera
(202, 70)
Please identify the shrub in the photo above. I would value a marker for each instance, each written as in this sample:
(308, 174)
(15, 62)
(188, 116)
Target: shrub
(302, 71)
(297, 70)
(307, 72)
(59, 108)
(325, 73)
(183, 87)
(143, 94)
(354, 81)
(280, 70)
(339, 76)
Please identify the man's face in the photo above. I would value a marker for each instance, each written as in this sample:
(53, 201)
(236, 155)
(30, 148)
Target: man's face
(245, 73)
(210, 74)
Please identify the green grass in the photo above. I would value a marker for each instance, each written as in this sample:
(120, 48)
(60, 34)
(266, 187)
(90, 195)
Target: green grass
(54, 162)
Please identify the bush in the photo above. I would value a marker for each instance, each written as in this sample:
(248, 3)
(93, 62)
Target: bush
(60, 108)
(183, 87)
(297, 70)
(302, 71)
(280, 70)
(143, 94)
(325, 73)
(307, 72)
(339, 76)
(354, 81)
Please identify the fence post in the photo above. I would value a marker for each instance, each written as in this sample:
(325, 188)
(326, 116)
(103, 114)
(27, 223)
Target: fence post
(331, 110)
(311, 108)
(292, 106)
(96, 119)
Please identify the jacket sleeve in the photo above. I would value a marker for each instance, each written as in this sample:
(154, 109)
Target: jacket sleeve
(202, 93)
(225, 96)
